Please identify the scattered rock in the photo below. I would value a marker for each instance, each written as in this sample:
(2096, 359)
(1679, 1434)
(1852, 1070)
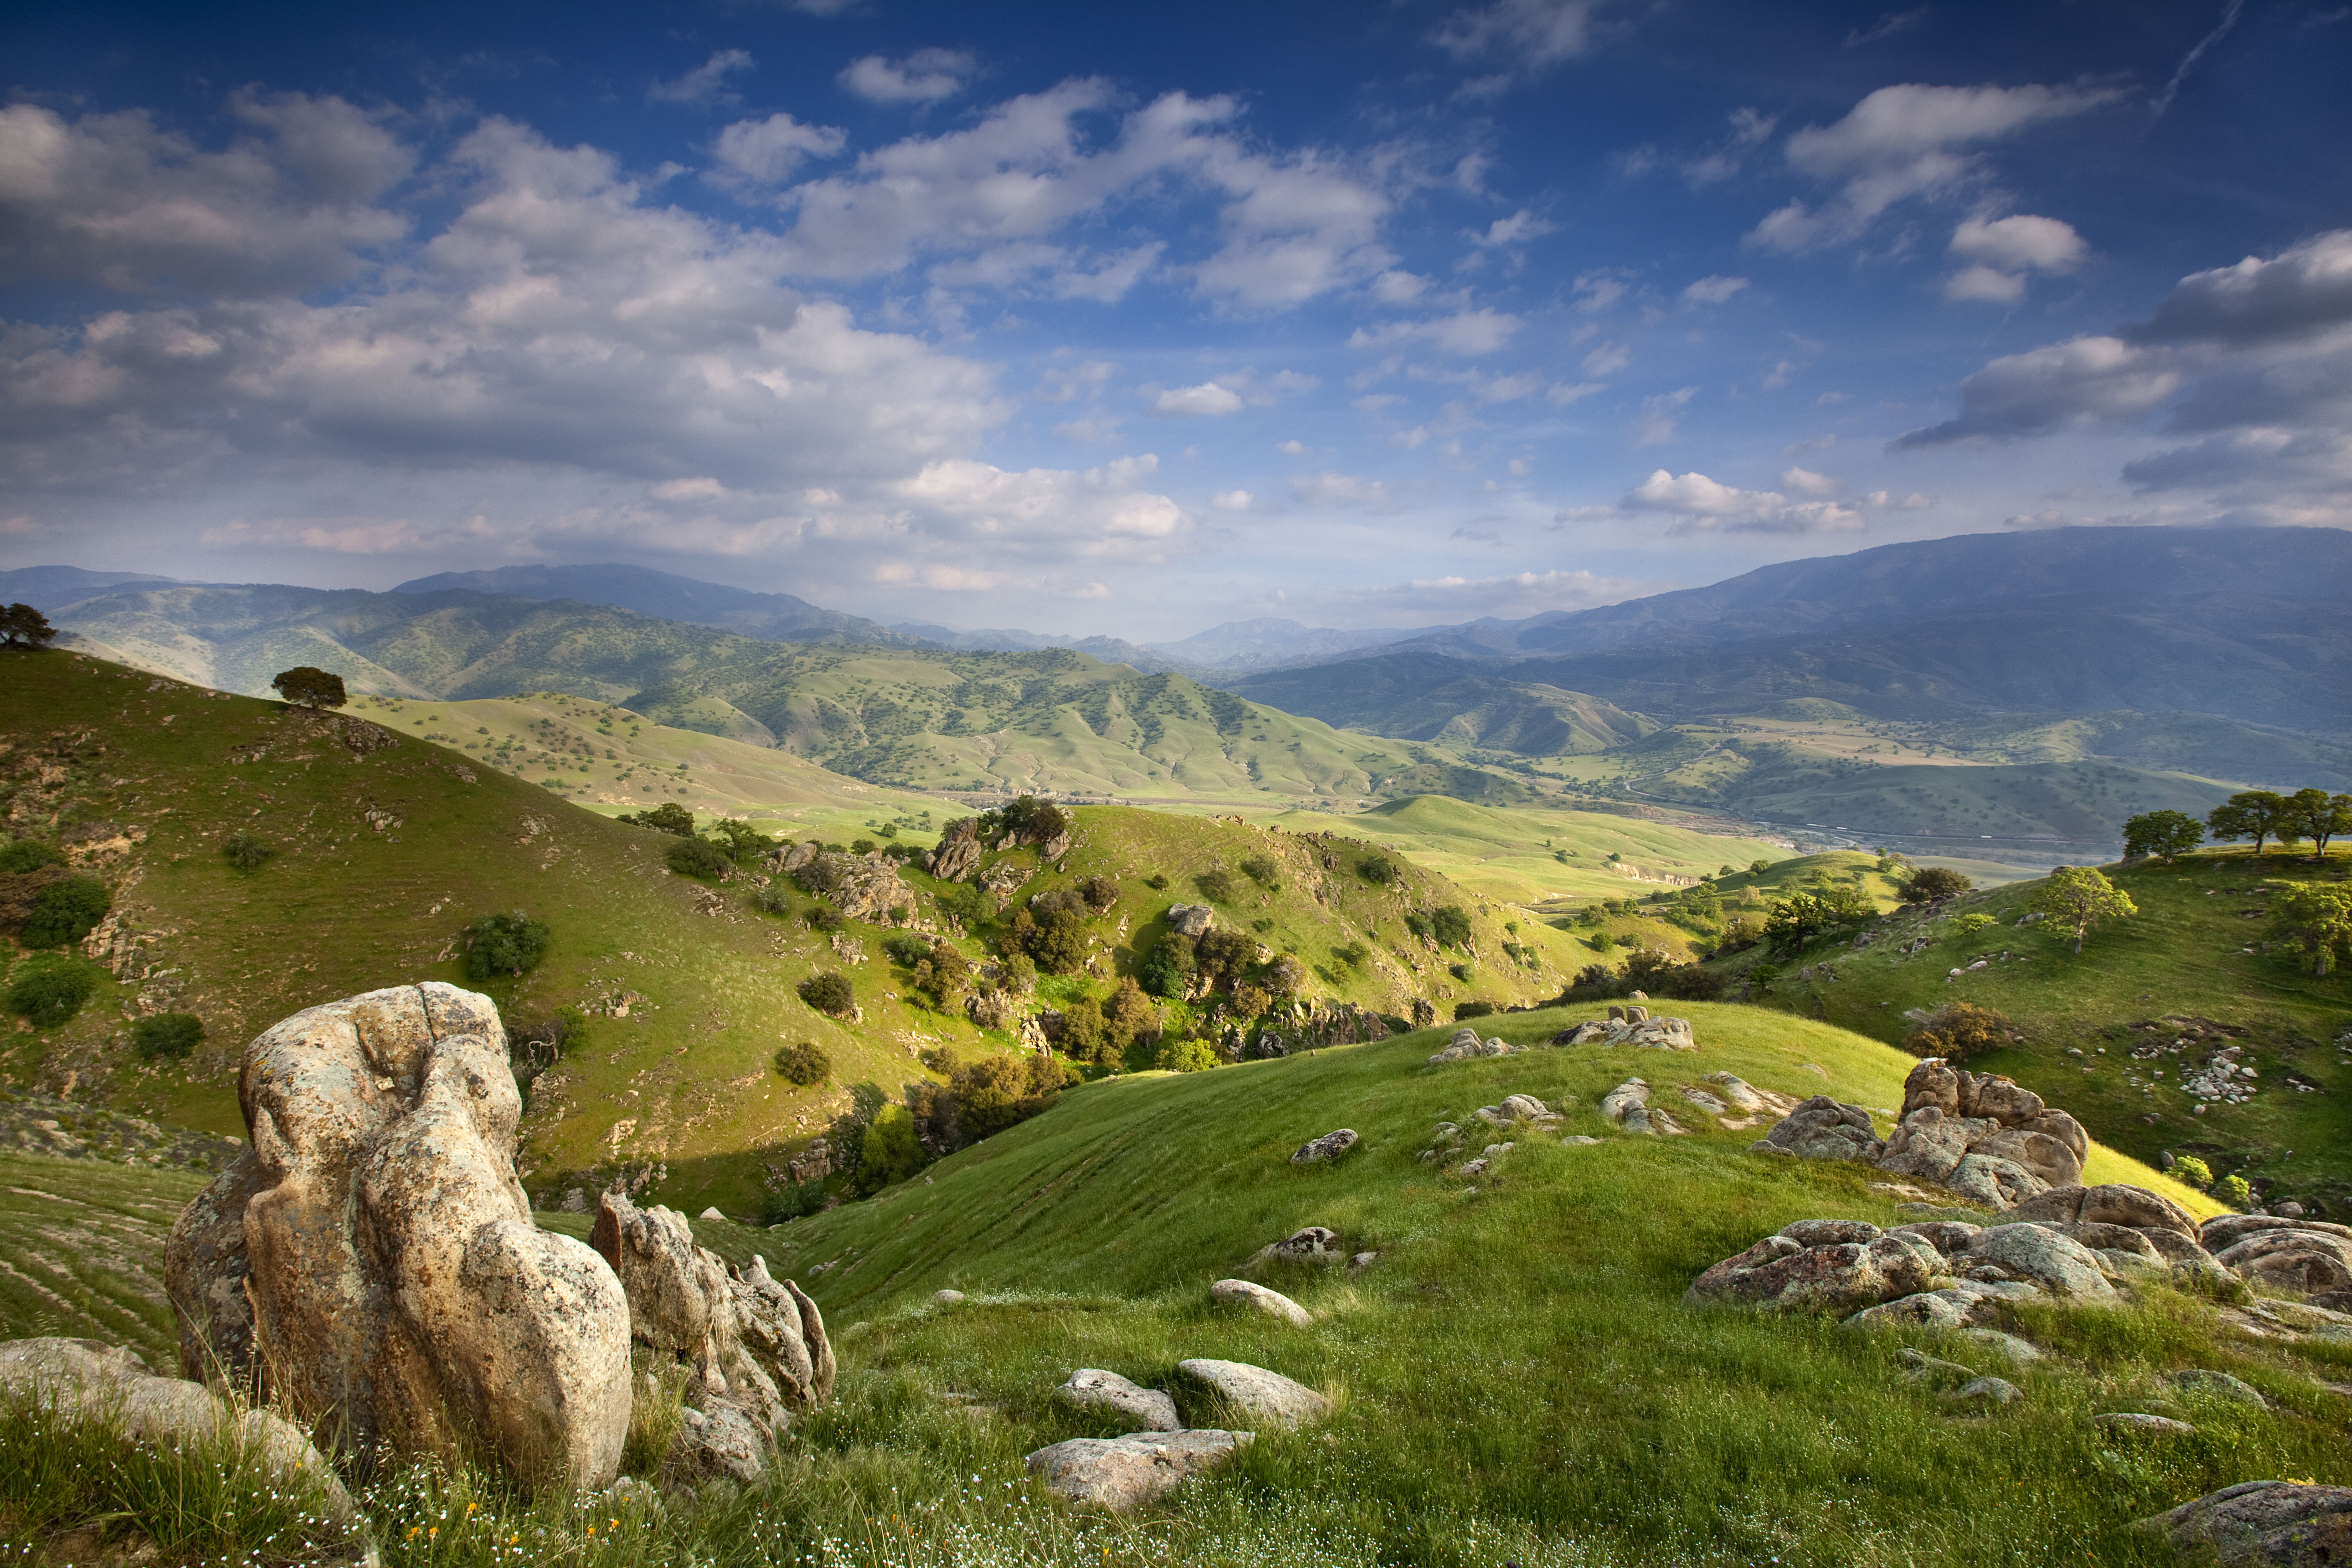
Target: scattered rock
(2285, 1256)
(2137, 1422)
(1266, 1397)
(2274, 1524)
(1920, 1367)
(947, 1298)
(1192, 920)
(2198, 1381)
(2058, 1264)
(101, 1383)
(1466, 1045)
(1273, 1303)
(1124, 1473)
(1784, 1275)
(1644, 1033)
(1329, 1147)
(862, 887)
(1628, 1105)
(1822, 1129)
(1091, 1388)
(1990, 1392)
(1363, 1260)
(1315, 1244)
(375, 1238)
(2021, 1352)
(710, 1213)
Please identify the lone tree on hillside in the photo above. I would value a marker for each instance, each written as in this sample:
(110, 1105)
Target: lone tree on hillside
(21, 626)
(306, 686)
(2077, 898)
(2165, 833)
(2315, 814)
(2318, 916)
(1932, 882)
(668, 817)
(2255, 814)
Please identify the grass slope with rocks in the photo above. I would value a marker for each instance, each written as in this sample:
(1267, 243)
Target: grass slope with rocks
(383, 849)
(2111, 1033)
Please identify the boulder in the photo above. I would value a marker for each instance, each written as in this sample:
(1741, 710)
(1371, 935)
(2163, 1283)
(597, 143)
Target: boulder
(1958, 1306)
(2198, 1382)
(374, 1238)
(1628, 1105)
(959, 851)
(948, 1298)
(2226, 1230)
(2129, 1423)
(2291, 1260)
(2058, 1264)
(82, 1379)
(1830, 1232)
(1053, 849)
(1327, 1147)
(1947, 1237)
(1994, 1181)
(1124, 1473)
(862, 887)
(1266, 1397)
(1091, 1388)
(1988, 1393)
(1315, 1244)
(2020, 1352)
(1922, 1368)
(1930, 1142)
(1642, 1032)
(1822, 1129)
(1784, 1275)
(2114, 1203)
(1192, 920)
(1466, 1045)
(754, 1347)
(1257, 1297)
(2274, 1524)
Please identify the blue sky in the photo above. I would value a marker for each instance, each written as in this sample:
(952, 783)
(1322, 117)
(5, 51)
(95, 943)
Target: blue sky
(1098, 318)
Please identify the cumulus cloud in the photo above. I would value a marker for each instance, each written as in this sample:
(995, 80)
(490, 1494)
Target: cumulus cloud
(1460, 598)
(1333, 489)
(1465, 333)
(706, 83)
(1231, 500)
(2303, 291)
(767, 152)
(1907, 140)
(1206, 398)
(1093, 510)
(924, 76)
(2086, 381)
(2004, 250)
(1519, 34)
(1516, 229)
(1701, 505)
(1806, 482)
(1712, 290)
(1989, 284)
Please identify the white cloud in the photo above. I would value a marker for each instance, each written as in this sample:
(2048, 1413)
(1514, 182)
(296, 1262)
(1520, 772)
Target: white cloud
(2304, 290)
(1699, 504)
(1608, 359)
(1291, 449)
(1562, 393)
(1332, 489)
(706, 83)
(2021, 243)
(1394, 288)
(1984, 283)
(1806, 482)
(1749, 130)
(1520, 35)
(766, 152)
(1206, 398)
(1904, 142)
(1516, 229)
(2084, 380)
(1092, 510)
(1466, 332)
(1660, 416)
(924, 76)
(1889, 25)
(1598, 290)
(1713, 291)
(1231, 500)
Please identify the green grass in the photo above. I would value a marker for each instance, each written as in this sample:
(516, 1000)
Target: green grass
(153, 774)
(2183, 955)
(82, 1250)
(1516, 1378)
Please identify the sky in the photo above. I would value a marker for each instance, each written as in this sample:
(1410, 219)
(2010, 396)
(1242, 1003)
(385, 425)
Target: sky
(1110, 320)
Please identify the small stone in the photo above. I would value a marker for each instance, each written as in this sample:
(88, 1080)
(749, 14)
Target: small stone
(2198, 1381)
(1262, 1396)
(947, 1298)
(1122, 1473)
(1091, 1388)
(2135, 1421)
(711, 1213)
(1363, 1260)
(1327, 1147)
(1987, 1391)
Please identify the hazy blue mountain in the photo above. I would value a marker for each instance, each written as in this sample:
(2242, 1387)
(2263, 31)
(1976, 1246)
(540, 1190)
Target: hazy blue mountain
(54, 587)
(1013, 639)
(777, 617)
(1270, 641)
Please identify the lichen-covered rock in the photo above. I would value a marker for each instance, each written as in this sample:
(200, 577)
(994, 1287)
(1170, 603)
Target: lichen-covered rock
(1466, 1045)
(1822, 1129)
(754, 1346)
(2114, 1203)
(1783, 1274)
(1326, 1148)
(1265, 1397)
(1994, 1181)
(958, 852)
(2290, 1259)
(1310, 1244)
(83, 1379)
(862, 887)
(375, 1238)
(1091, 1388)
(1644, 1033)
(2058, 1264)
(1192, 920)
(2272, 1525)
(1124, 1473)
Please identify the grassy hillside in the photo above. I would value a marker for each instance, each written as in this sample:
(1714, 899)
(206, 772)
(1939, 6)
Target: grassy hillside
(2181, 965)
(382, 856)
(82, 1242)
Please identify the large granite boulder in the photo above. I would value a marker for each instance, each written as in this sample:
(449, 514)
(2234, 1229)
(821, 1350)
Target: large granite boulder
(1982, 1136)
(1266, 1397)
(1820, 1266)
(1822, 1129)
(753, 1347)
(1642, 1032)
(958, 852)
(2272, 1525)
(1258, 1299)
(84, 1380)
(2057, 1265)
(375, 1238)
(2309, 1259)
(1092, 1388)
(1192, 920)
(862, 887)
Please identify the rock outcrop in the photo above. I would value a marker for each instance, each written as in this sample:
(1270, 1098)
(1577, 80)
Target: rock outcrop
(1192, 920)
(1632, 1027)
(862, 887)
(1312, 1244)
(374, 1238)
(958, 853)
(1311, 1024)
(754, 1348)
(1326, 1148)
(2274, 1524)
(1979, 1135)
(2302, 1257)
(82, 1379)
(1466, 1045)
(1124, 1473)
(1258, 1299)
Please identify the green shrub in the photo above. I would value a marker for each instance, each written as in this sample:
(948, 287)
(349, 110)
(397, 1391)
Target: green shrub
(804, 1063)
(1262, 872)
(1157, 882)
(51, 988)
(797, 1201)
(774, 899)
(1085, 1035)
(906, 948)
(824, 918)
(1184, 1054)
(1970, 923)
(1379, 869)
(1471, 1010)
(668, 817)
(247, 851)
(1450, 925)
(1461, 972)
(2233, 1191)
(167, 1037)
(2189, 1168)
(1217, 885)
(66, 911)
(890, 1151)
(1958, 1031)
(27, 855)
(1167, 969)
(1932, 883)
(505, 944)
(1351, 953)
(698, 858)
(829, 993)
(996, 1091)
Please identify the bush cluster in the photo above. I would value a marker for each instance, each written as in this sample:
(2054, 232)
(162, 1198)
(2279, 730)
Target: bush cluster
(698, 858)
(167, 1037)
(49, 988)
(1958, 1031)
(247, 851)
(829, 993)
(510, 944)
(804, 1063)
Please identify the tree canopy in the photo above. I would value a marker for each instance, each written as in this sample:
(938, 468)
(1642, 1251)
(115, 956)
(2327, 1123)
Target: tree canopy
(2318, 916)
(306, 685)
(2255, 814)
(21, 626)
(1932, 883)
(2078, 898)
(2315, 814)
(2165, 833)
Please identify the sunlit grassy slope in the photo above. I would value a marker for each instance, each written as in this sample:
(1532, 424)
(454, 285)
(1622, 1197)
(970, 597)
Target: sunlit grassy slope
(2183, 957)
(146, 777)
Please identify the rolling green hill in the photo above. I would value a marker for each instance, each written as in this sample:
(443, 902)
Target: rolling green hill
(385, 848)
